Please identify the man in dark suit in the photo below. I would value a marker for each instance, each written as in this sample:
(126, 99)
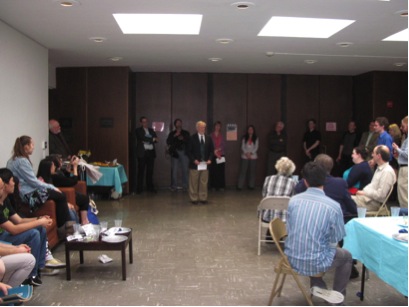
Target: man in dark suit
(369, 139)
(200, 152)
(145, 152)
(56, 139)
(335, 188)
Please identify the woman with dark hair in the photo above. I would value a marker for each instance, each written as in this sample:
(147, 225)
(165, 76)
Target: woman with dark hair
(48, 170)
(217, 177)
(32, 190)
(311, 140)
(249, 147)
(360, 174)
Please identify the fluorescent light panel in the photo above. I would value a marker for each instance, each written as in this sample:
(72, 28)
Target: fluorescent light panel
(401, 36)
(303, 27)
(184, 24)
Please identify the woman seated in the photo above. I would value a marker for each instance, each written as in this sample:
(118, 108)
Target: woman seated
(34, 192)
(49, 171)
(281, 184)
(359, 175)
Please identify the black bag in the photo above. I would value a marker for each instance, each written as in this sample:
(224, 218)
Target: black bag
(36, 199)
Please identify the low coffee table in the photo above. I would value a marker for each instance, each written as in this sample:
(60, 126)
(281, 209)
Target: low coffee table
(98, 246)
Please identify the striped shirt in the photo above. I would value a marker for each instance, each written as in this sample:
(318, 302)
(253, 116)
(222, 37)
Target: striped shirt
(315, 225)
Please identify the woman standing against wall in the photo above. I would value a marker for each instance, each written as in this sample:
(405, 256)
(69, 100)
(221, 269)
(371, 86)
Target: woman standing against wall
(217, 177)
(249, 147)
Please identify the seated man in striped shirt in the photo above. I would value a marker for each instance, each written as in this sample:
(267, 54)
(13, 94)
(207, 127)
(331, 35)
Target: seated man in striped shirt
(315, 225)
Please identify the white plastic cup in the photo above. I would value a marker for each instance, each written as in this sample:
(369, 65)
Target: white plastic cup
(76, 229)
(395, 211)
(118, 223)
(361, 212)
(104, 225)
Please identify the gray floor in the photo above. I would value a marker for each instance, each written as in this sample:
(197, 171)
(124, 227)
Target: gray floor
(187, 255)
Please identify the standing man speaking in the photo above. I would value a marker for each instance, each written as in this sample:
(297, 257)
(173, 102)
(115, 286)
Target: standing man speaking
(200, 152)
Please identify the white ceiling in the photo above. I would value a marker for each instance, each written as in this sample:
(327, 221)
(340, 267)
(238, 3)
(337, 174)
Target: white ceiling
(66, 32)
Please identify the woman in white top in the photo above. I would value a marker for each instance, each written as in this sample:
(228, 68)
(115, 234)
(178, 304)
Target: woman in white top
(249, 147)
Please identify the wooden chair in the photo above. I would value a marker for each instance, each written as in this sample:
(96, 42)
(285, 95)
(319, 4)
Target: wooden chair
(383, 209)
(278, 231)
(269, 203)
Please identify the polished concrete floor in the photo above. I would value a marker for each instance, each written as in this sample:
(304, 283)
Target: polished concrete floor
(188, 255)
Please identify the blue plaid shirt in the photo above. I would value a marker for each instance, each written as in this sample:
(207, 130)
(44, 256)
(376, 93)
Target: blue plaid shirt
(315, 225)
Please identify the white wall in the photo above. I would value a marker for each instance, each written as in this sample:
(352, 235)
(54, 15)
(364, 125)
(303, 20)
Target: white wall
(23, 93)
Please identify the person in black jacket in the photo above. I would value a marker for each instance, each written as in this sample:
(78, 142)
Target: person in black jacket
(200, 152)
(146, 154)
(49, 171)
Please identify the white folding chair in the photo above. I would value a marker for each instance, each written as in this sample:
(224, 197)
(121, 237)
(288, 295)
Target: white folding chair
(269, 203)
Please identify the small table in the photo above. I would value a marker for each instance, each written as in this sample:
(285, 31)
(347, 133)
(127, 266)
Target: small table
(112, 176)
(98, 246)
(370, 241)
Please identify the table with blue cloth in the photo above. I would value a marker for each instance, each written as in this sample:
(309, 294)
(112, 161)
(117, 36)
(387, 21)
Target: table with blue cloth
(112, 176)
(370, 241)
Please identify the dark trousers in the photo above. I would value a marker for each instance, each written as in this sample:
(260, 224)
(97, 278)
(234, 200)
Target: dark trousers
(61, 206)
(217, 175)
(145, 164)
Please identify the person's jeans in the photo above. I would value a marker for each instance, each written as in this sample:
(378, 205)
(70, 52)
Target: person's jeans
(342, 264)
(36, 238)
(182, 163)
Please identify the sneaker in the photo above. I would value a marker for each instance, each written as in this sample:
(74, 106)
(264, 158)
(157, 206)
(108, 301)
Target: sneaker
(54, 263)
(33, 280)
(49, 272)
(331, 296)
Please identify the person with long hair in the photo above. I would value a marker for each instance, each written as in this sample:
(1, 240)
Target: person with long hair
(360, 174)
(32, 190)
(217, 173)
(249, 147)
(48, 171)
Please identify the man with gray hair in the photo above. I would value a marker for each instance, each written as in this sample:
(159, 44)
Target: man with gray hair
(374, 194)
(58, 144)
(200, 152)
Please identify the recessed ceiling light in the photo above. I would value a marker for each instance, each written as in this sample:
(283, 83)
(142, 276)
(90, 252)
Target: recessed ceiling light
(269, 54)
(242, 5)
(98, 39)
(224, 41)
(115, 59)
(403, 13)
(401, 36)
(181, 24)
(303, 27)
(67, 3)
(215, 59)
(310, 61)
(344, 44)
(399, 64)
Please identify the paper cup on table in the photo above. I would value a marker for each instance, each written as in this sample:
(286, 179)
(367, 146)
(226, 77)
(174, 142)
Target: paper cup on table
(118, 223)
(104, 226)
(76, 229)
(395, 211)
(361, 212)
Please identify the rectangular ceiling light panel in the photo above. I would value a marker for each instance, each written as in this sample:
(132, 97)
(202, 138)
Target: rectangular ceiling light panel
(401, 36)
(182, 24)
(303, 27)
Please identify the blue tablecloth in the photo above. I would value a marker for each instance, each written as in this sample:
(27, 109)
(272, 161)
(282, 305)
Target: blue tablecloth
(370, 241)
(111, 177)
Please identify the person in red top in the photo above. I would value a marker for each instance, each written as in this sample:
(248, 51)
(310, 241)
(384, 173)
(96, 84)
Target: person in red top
(217, 176)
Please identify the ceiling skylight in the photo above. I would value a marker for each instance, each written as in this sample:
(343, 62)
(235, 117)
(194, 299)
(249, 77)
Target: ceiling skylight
(303, 27)
(401, 36)
(184, 24)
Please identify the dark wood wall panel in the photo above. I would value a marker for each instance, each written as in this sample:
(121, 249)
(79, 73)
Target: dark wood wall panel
(70, 103)
(264, 109)
(189, 99)
(230, 107)
(391, 86)
(302, 100)
(335, 106)
(363, 101)
(108, 102)
(153, 100)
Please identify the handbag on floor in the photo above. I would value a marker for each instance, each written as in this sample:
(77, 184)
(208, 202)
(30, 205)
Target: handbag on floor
(92, 213)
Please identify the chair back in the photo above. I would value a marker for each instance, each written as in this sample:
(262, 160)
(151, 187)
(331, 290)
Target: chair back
(274, 203)
(278, 231)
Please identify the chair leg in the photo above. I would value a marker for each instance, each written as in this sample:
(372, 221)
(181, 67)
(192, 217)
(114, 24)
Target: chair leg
(306, 295)
(276, 290)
